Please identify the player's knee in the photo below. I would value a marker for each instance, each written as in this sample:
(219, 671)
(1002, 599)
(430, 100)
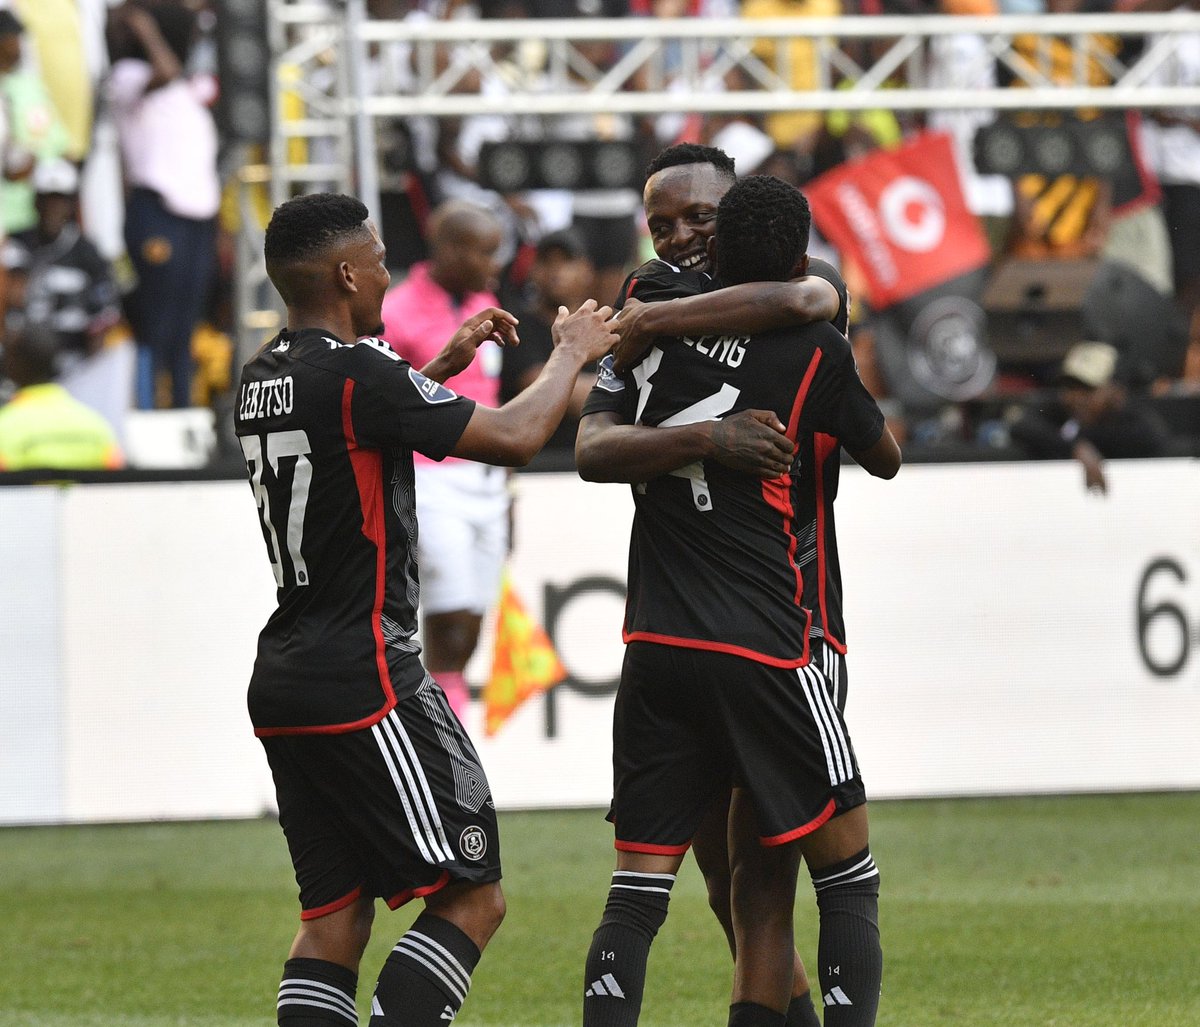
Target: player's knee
(640, 909)
(717, 887)
(476, 909)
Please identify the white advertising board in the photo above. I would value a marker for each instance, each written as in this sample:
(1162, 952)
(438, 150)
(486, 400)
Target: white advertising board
(1009, 634)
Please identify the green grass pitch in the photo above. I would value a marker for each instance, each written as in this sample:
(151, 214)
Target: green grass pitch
(1042, 912)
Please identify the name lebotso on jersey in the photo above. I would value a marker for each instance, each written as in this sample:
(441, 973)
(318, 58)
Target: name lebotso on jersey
(271, 397)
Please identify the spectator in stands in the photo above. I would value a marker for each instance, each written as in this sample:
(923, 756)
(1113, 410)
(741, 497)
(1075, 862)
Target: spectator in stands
(56, 36)
(792, 130)
(1172, 145)
(1093, 417)
(169, 144)
(562, 274)
(34, 128)
(43, 426)
(462, 506)
(57, 277)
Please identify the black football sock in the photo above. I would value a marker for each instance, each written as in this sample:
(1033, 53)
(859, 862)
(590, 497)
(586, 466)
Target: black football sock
(316, 993)
(426, 977)
(751, 1014)
(800, 1012)
(849, 956)
(615, 974)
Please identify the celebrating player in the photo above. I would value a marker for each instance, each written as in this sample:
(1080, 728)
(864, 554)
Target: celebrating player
(728, 528)
(380, 791)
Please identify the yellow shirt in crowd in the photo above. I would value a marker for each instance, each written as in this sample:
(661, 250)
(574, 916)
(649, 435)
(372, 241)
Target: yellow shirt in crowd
(45, 426)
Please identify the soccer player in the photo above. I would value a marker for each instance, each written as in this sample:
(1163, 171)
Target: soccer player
(719, 684)
(684, 185)
(380, 791)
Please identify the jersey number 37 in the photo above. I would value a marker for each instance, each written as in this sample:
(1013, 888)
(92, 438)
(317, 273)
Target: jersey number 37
(281, 504)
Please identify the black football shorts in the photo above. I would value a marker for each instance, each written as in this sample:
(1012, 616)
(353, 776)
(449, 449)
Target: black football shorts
(396, 810)
(690, 724)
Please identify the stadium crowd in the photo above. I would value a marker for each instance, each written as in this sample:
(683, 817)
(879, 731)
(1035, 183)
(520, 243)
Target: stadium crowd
(120, 218)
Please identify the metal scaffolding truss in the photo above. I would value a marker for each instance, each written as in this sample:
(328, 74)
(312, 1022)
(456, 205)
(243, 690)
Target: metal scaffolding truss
(329, 99)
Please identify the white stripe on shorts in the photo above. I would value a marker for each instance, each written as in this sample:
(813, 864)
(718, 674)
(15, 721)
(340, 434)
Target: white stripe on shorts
(413, 788)
(833, 740)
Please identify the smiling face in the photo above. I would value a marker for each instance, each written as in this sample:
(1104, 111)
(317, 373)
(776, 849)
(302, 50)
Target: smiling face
(681, 212)
(371, 279)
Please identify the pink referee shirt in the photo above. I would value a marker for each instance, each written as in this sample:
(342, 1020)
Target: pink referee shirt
(419, 318)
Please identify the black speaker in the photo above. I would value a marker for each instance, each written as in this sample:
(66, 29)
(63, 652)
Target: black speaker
(243, 66)
(1035, 308)
(514, 166)
(1058, 144)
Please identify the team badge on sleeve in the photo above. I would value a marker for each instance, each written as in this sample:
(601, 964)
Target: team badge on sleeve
(431, 391)
(606, 378)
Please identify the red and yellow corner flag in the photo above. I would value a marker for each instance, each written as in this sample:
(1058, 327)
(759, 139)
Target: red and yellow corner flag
(524, 662)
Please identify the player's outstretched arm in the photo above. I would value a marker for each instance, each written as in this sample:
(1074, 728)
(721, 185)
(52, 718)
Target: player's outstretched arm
(513, 434)
(743, 309)
(883, 459)
(752, 441)
(458, 353)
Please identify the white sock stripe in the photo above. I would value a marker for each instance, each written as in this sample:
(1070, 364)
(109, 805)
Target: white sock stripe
(421, 947)
(644, 877)
(642, 887)
(452, 987)
(317, 989)
(836, 880)
(862, 864)
(319, 1002)
(436, 948)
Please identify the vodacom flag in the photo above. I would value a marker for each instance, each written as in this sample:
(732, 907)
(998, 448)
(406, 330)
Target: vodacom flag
(901, 217)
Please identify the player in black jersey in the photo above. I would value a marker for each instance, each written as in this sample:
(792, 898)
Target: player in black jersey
(684, 185)
(693, 623)
(380, 791)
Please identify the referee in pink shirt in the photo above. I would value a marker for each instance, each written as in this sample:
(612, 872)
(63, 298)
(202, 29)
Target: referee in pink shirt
(462, 507)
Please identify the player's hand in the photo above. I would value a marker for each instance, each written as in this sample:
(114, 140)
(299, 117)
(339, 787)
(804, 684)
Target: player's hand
(587, 331)
(754, 442)
(493, 323)
(634, 339)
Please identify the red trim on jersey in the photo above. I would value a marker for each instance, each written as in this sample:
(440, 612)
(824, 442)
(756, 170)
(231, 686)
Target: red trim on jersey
(652, 850)
(777, 492)
(400, 898)
(723, 647)
(803, 829)
(329, 729)
(823, 447)
(332, 907)
(367, 465)
(629, 291)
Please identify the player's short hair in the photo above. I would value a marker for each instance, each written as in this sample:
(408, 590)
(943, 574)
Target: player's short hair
(762, 230)
(303, 227)
(693, 153)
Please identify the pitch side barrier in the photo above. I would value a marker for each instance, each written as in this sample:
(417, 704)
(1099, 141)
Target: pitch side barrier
(1009, 634)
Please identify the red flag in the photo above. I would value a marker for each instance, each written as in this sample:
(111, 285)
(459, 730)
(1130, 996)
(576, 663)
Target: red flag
(901, 217)
(524, 662)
